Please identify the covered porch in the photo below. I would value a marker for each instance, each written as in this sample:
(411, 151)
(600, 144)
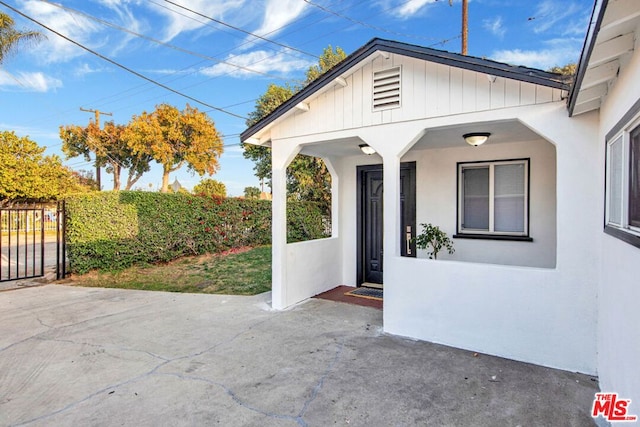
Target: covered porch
(519, 298)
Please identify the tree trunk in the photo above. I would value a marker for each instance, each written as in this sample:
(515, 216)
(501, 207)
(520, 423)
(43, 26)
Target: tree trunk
(165, 180)
(132, 179)
(116, 177)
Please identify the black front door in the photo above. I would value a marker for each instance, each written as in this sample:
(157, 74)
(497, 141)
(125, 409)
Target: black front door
(372, 226)
(371, 220)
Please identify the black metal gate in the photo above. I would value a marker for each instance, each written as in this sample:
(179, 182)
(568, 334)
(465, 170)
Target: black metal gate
(61, 241)
(30, 235)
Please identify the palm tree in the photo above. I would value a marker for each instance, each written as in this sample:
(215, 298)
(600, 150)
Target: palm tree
(10, 37)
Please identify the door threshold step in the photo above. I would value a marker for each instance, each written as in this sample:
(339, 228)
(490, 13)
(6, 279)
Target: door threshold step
(371, 285)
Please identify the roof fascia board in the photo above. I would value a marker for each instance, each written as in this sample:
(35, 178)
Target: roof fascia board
(485, 66)
(480, 65)
(599, 8)
(310, 89)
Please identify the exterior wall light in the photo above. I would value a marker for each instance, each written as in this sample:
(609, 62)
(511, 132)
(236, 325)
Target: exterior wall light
(476, 138)
(367, 149)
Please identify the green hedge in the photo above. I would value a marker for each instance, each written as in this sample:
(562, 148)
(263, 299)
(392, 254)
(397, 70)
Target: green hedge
(114, 230)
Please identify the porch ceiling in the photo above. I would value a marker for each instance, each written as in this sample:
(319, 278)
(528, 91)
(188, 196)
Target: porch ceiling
(446, 137)
(344, 147)
(451, 136)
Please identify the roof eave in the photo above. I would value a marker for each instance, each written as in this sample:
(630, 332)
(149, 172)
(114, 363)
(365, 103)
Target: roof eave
(599, 8)
(438, 56)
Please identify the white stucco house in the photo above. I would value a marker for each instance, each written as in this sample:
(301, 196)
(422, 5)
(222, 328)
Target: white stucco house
(545, 215)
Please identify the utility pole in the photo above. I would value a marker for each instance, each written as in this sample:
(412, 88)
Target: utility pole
(97, 115)
(465, 24)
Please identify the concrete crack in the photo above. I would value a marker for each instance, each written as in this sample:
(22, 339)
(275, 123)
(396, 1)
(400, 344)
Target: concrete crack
(92, 395)
(318, 387)
(44, 324)
(221, 343)
(165, 361)
(56, 328)
(233, 396)
(106, 347)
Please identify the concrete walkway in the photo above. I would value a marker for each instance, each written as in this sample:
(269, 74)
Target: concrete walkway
(103, 357)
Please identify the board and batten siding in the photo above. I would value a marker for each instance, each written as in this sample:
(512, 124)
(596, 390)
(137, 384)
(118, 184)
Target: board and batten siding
(427, 90)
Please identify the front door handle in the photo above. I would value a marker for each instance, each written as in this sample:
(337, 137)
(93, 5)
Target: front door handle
(408, 239)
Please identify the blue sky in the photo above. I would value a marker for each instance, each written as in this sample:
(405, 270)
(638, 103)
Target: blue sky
(222, 65)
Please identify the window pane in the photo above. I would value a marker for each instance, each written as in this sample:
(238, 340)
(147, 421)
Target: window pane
(509, 200)
(476, 198)
(615, 181)
(634, 178)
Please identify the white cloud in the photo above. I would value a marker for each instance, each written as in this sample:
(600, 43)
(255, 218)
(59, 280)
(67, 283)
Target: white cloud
(494, 26)
(234, 150)
(85, 69)
(411, 7)
(55, 48)
(31, 132)
(558, 52)
(550, 13)
(181, 20)
(278, 13)
(404, 9)
(170, 71)
(260, 60)
(29, 81)
(127, 19)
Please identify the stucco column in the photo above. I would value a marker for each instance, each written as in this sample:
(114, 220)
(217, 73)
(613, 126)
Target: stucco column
(335, 199)
(281, 156)
(391, 164)
(392, 143)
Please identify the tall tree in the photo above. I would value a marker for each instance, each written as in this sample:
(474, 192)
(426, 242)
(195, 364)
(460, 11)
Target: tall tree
(109, 148)
(26, 174)
(307, 177)
(568, 70)
(266, 103)
(210, 187)
(174, 138)
(10, 38)
(251, 193)
(327, 61)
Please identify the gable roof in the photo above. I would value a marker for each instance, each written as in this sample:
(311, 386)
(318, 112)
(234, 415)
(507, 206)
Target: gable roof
(487, 66)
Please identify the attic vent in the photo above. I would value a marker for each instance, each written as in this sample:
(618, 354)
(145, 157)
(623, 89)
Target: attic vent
(386, 89)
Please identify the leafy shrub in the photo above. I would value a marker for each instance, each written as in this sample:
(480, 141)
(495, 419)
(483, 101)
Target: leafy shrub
(210, 187)
(114, 230)
(432, 236)
(305, 221)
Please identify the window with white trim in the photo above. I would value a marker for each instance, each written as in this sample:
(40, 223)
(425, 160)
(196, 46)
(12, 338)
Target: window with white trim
(493, 198)
(623, 180)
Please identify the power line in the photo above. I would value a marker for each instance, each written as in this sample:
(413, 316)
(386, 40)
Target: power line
(193, 65)
(117, 64)
(242, 31)
(160, 42)
(364, 24)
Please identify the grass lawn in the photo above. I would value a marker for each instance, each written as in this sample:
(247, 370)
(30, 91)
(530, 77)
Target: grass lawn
(244, 272)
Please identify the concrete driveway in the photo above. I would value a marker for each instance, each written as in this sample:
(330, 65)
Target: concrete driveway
(103, 357)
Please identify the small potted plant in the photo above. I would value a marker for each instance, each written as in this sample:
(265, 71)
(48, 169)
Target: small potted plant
(434, 238)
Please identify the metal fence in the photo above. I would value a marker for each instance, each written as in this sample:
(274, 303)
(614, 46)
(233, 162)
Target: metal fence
(22, 243)
(28, 219)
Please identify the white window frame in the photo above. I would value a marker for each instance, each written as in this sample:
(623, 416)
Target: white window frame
(460, 203)
(623, 136)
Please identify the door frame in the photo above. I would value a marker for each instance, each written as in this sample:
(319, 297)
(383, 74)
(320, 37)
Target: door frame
(360, 194)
